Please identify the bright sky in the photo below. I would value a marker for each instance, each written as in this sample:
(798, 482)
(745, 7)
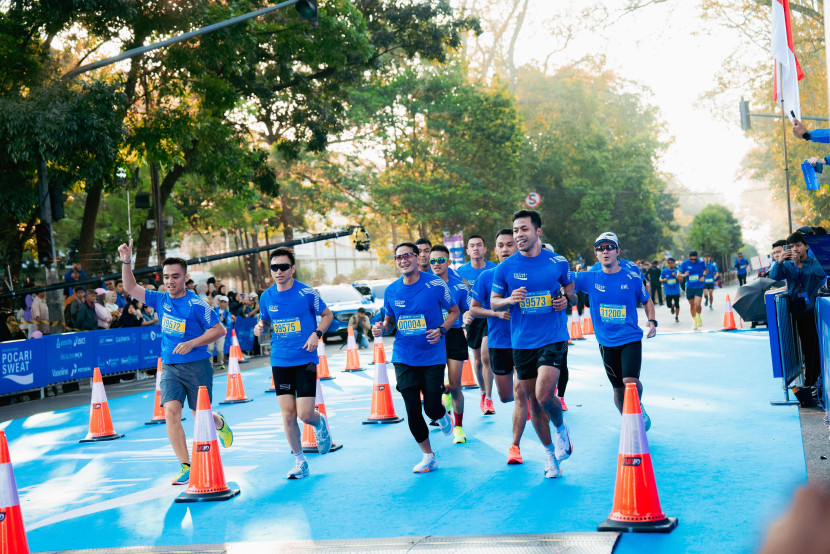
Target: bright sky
(671, 50)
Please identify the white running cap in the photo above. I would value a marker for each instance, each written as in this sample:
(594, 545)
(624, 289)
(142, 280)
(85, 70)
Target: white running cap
(608, 237)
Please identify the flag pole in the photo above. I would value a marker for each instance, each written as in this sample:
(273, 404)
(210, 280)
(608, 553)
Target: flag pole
(784, 135)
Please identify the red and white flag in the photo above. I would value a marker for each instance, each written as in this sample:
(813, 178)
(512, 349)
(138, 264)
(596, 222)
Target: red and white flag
(787, 70)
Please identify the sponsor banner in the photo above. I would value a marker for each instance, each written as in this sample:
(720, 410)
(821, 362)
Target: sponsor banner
(69, 356)
(117, 350)
(149, 346)
(22, 365)
(244, 333)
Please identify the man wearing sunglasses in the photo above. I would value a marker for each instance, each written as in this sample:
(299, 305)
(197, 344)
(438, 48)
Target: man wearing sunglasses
(614, 293)
(414, 305)
(477, 330)
(291, 309)
(456, 344)
(529, 286)
(497, 344)
(694, 272)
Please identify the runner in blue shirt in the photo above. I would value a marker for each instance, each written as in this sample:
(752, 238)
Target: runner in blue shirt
(709, 281)
(455, 342)
(529, 285)
(497, 344)
(614, 294)
(290, 309)
(740, 266)
(414, 305)
(188, 325)
(671, 288)
(477, 330)
(693, 271)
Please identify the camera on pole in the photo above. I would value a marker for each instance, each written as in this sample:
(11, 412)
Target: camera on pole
(308, 11)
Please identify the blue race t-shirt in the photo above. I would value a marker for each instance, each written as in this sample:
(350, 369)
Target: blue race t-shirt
(614, 298)
(460, 295)
(470, 274)
(182, 319)
(627, 265)
(533, 322)
(693, 279)
(417, 308)
(498, 330)
(741, 265)
(292, 316)
(709, 278)
(671, 285)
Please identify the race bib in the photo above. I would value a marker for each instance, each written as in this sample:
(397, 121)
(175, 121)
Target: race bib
(173, 326)
(671, 281)
(444, 313)
(694, 278)
(410, 325)
(537, 302)
(612, 313)
(709, 280)
(284, 328)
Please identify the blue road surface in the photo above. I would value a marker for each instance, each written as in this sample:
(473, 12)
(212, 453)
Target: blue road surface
(726, 463)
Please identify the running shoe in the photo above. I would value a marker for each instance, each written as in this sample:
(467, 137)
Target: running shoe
(646, 419)
(710, 307)
(676, 319)
(706, 302)
(489, 409)
(552, 470)
(322, 436)
(514, 455)
(694, 324)
(184, 475)
(562, 444)
(564, 406)
(458, 436)
(446, 424)
(225, 433)
(299, 470)
(427, 463)
(482, 405)
(447, 399)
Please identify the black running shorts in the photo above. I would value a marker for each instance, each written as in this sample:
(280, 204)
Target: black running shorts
(428, 378)
(622, 361)
(528, 360)
(476, 331)
(299, 379)
(456, 344)
(673, 301)
(501, 360)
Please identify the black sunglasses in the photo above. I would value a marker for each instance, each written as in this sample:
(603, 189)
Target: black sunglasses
(280, 267)
(441, 260)
(608, 247)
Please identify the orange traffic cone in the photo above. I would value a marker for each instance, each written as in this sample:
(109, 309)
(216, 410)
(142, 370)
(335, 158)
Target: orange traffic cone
(309, 442)
(100, 422)
(576, 325)
(468, 380)
(379, 354)
(322, 364)
(236, 391)
(12, 533)
(587, 323)
(273, 388)
(636, 504)
(158, 409)
(207, 478)
(728, 316)
(352, 359)
(235, 351)
(383, 409)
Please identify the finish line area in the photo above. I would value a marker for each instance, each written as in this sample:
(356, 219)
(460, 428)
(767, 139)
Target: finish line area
(726, 464)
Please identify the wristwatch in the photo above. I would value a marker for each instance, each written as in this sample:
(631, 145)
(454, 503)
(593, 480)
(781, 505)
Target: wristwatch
(653, 321)
(443, 330)
(319, 333)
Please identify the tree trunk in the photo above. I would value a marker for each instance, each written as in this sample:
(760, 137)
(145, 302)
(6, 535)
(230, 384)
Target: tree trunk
(145, 237)
(286, 217)
(86, 242)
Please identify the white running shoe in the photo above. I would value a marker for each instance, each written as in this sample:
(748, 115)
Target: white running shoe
(322, 436)
(427, 463)
(446, 424)
(299, 470)
(552, 470)
(562, 444)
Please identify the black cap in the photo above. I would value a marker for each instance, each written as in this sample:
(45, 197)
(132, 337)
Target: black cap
(805, 230)
(693, 253)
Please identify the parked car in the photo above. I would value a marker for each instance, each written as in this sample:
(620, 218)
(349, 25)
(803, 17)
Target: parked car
(343, 301)
(373, 289)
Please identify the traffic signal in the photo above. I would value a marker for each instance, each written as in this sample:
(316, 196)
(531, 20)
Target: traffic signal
(308, 11)
(142, 200)
(746, 125)
(43, 238)
(58, 198)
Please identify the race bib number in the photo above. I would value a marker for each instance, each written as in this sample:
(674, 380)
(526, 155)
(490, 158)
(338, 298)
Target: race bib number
(173, 326)
(410, 325)
(612, 313)
(284, 328)
(444, 313)
(694, 278)
(671, 281)
(709, 280)
(537, 302)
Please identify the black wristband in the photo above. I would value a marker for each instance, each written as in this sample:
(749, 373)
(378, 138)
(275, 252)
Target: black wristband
(806, 135)
(319, 333)
(653, 321)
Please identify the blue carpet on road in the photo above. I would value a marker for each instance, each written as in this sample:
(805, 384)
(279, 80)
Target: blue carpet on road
(726, 463)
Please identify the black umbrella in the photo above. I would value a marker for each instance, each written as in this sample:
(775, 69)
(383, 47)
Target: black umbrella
(749, 302)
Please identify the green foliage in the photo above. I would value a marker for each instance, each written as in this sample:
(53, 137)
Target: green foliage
(715, 230)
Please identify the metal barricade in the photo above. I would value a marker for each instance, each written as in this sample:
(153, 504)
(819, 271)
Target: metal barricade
(785, 348)
(822, 312)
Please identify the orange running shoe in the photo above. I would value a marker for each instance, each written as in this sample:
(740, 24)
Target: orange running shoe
(482, 404)
(564, 406)
(514, 455)
(489, 409)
